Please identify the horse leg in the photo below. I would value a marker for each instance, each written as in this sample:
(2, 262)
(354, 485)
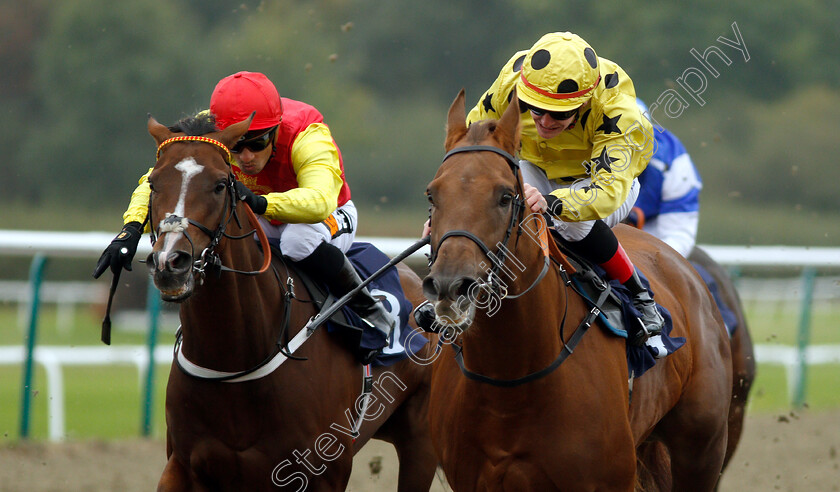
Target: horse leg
(407, 429)
(695, 433)
(743, 375)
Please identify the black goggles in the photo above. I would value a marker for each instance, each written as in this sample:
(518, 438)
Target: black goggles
(254, 144)
(557, 115)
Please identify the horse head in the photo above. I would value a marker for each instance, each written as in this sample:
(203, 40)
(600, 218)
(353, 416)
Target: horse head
(192, 198)
(476, 202)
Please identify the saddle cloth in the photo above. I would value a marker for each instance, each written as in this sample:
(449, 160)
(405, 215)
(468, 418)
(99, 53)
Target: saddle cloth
(348, 326)
(618, 312)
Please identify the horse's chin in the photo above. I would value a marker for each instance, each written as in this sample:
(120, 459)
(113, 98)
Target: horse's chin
(175, 292)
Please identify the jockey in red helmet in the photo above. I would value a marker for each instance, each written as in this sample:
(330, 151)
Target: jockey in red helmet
(290, 172)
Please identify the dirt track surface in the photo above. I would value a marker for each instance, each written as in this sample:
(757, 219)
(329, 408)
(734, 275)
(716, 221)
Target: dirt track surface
(793, 452)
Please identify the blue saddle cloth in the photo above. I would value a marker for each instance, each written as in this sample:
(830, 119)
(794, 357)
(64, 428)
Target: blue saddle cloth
(639, 359)
(729, 318)
(368, 259)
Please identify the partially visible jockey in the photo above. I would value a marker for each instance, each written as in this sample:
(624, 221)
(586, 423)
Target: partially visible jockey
(669, 202)
(584, 142)
(668, 206)
(289, 170)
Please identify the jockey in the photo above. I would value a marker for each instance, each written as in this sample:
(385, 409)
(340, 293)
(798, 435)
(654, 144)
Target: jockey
(668, 206)
(289, 170)
(582, 149)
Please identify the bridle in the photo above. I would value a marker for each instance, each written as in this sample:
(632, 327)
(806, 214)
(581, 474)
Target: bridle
(497, 258)
(209, 257)
(493, 280)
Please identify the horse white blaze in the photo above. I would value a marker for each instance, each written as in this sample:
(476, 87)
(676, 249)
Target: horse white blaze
(189, 168)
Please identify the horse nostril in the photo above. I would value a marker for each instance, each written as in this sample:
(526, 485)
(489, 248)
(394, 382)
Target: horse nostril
(460, 287)
(431, 288)
(179, 261)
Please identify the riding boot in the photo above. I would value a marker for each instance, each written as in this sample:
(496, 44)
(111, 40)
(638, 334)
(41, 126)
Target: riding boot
(600, 246)
(331, 266)
(652, 321)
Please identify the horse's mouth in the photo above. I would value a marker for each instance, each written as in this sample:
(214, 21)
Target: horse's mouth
(454, 316)
(174, 293)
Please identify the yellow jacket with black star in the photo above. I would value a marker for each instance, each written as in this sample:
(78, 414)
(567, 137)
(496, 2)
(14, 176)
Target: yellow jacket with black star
(303, 182)
(611, 141)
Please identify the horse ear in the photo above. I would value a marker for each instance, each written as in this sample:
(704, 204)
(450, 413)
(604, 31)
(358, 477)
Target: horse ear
(159, 132)
(234, 132)
(507, 132)
(456, 124)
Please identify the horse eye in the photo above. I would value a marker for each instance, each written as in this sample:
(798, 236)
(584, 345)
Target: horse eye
(506, 199)
(220, 187)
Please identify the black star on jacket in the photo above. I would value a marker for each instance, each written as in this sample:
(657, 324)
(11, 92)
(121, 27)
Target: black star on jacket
(488, 105)
(610, 125)
(603, 161)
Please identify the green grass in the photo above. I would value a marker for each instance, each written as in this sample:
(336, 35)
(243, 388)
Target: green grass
(105, 401)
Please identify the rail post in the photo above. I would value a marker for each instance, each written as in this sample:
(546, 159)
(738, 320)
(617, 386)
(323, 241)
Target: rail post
(153, 308)
(803, 335)
(36, 273)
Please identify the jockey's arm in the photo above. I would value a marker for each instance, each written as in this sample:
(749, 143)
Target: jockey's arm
(138, 206)
(317, 167)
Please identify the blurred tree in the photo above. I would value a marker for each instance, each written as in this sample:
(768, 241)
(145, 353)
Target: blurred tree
(101, 68)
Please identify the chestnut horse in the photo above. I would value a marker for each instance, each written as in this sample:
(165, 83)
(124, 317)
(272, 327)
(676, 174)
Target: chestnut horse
(523, 412)
(233, 428)
(743, 358)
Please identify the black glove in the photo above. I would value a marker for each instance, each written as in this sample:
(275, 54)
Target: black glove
(121, 251)
(257, 203)
(555, 205)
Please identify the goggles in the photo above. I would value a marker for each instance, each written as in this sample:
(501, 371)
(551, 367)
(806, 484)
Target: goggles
(254, 144)
(538, 112)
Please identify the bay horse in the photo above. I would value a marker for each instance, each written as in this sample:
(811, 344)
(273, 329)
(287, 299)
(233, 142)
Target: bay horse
(523, 412)
(232, 423)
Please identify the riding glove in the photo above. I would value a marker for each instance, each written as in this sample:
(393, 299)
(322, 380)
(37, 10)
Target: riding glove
(121, 251)
(257, 203)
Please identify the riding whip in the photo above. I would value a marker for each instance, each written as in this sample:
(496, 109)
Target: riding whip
(327, 313)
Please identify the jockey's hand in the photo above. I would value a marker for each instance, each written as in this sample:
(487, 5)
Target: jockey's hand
(121, 251)
(257, 203)
(534, 200)
(427, 228)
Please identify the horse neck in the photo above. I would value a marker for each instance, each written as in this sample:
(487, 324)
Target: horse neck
(525, 331)
(230, 321)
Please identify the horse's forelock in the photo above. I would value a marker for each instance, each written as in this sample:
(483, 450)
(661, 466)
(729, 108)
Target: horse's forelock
(201, 124)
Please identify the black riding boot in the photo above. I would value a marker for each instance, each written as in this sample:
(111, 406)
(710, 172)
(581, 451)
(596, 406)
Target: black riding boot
(331, 266)
(652, 321)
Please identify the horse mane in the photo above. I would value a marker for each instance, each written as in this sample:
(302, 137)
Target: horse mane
(200, 124)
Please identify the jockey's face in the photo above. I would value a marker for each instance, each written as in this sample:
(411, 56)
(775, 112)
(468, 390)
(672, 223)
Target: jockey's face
(548, 127)
(253, 152)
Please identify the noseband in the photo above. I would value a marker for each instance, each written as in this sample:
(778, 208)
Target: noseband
(175, 223)
(517, 209)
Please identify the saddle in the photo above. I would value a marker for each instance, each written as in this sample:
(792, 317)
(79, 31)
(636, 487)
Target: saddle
(616, 310)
